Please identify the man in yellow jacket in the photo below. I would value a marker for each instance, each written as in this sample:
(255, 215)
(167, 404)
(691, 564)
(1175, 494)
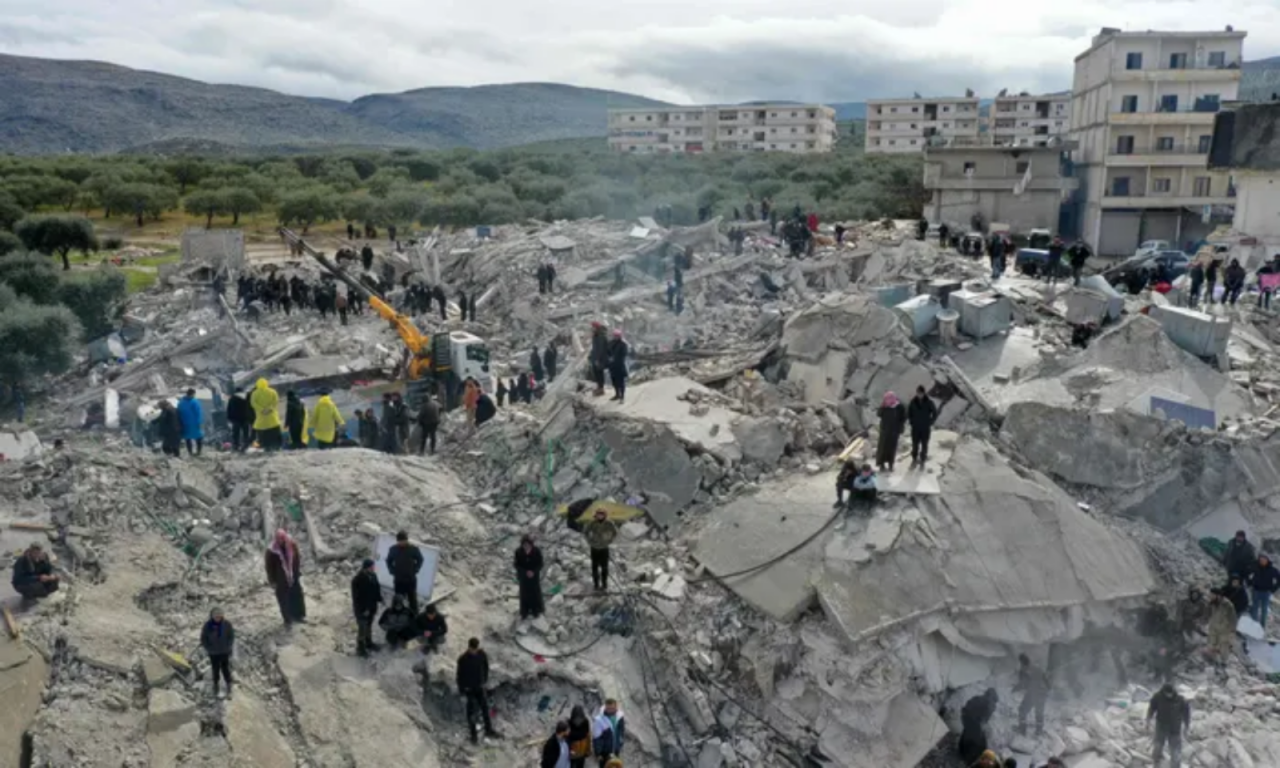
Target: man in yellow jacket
(266, 416)
(325, 420)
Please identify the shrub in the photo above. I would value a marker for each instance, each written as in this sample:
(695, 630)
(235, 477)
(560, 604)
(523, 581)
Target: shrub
(36, 340)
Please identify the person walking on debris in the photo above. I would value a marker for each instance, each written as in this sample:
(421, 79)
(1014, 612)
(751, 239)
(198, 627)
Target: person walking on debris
(618, 350)
(1172, 716)
(1264, 581)
(1079, 254)
(579, 737)
(266, 417)
(1034, 685)
(528, 563)
(600, 533)
(550, 361)
(397, 623)
(366, 596)
(295, 420)
(326, 418)
(599, 357)
(943, 233)
(921, 412)
(218, 639)
(1240, 557)
(170, 424)
(1233, 282)
(284, 571)
(608, 731)
(404, 561)
(472, 677)
(485, 409)
(432, 627)
(429, 424)
(893, 417)
(437, 293)
(535, 363)
(191, 414)
(555, 752)
(33, 575)
(240, 418)
(974, 717)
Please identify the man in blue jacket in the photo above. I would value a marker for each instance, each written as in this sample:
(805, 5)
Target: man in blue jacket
(608, 731)
(191, 415)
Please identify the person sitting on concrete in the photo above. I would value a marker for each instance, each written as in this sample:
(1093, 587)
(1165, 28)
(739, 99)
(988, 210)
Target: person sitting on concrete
(864, 486)
(485, 409)
(33, 575)
(844, 481)
(432, 628)
(397, 622)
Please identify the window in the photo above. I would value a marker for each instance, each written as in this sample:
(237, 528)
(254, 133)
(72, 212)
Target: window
(1177, 61)
(632, 148)
(648, 118)
(892, 142)
(1120, 186)
(915, 110)
(1208, 103)
(1021, 167)
(793, 114)
(773, 146)
(1164, 144)
(946, 109)
(1205, 142)
(793, 130)
(813, 115)
(1203, 185)
(1124, 145)
(1129, 104)
(969, 169)
(1162, 186)
(1025, 123)
(1133, 61)
(1057, 124)
(632, 118)
(913, 125)
(893, 109)
(773, 114)
(1217, 59)
(1169, 103)
(913, 142)
(773, 130)
(946, 125)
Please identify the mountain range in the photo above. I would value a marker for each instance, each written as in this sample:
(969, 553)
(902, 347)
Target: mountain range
(56, 106)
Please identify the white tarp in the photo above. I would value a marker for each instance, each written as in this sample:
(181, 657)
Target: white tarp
(426, 577)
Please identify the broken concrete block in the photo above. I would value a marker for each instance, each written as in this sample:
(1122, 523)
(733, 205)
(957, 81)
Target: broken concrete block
(1077, 740)
(761, 440)
(197, 483)
(950, 412)
(155, 672)
(171, 727)
(670, 586)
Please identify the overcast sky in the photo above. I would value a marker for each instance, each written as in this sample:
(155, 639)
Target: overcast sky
(677, 50)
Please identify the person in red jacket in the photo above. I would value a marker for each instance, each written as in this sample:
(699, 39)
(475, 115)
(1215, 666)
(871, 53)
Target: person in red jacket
(813, 222)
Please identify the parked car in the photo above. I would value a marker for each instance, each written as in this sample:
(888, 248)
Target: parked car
(1151, 247)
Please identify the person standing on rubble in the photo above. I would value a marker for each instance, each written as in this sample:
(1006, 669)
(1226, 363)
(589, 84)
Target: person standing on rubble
(1233, 282)
(1034, 685)
(535, 364)
(600, 533)
(922, 229)
(599, 358)
(579, 737)
(170, 425)
(608, 732)
(1054, 261)
(995, 252)
(218, 639)
(404, 561)
(974, 717)
(387, 425)
(471, 306)
(472, 677)
(1236, 594)
(462, 304)
(1240, 556)
(295, 420)
(33, 575)
(750, 210)
(944, 232)
(428, 424)
(922, 412)
(1079, 254)
(893, 417)
(1196, 275)
(541, 274)
(503, 392)
(325, 421)
(1264, 581)
(1222, 626)
(191, 414)
(366, 596)
(555, 752)
(550, 360)
(528, 564)
(485, 409)
(240, 417)
(284, 574)
(1172, 716)
(1211, 274)
(618, 351)
(369, 430)
(266, 422)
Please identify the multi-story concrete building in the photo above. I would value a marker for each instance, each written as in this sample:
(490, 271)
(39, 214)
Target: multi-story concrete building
(1142, 112)
(1244, 145)
(800, 128)
(908, 125)
(1029, 121)
(1020, 186)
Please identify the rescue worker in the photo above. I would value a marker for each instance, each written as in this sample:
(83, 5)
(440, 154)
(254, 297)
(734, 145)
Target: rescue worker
(1172, 716)
(284, 569)
(240, 418)
(366, 596)
(893, 417)
(1222, 627)
(295, 420)
(1264, 581)
(599, 358)
(618, 350)
(528, 564)
(472, 677)
(608, 731)
(1034, 685)
(191, 414)
(33, 575)
(325, 420)
(1193, 612)
(433, 628)
(429, 424)
(170, 426)
(218, 639)
(1240, 557)
(266, 417)
(404, 561)
(974, 717)
(921, 413)
(397, 623)
(600, 533)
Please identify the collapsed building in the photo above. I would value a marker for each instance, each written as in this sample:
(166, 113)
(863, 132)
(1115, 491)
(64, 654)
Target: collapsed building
(752, 622)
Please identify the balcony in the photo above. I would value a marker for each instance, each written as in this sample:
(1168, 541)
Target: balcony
(1191, 73)
(1180, 116)
(1143, 155)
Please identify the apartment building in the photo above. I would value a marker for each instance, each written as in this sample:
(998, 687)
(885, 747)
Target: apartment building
(1142, 114)
(896, 126)
(1020, 186)
(1029, 121)
(799, 128)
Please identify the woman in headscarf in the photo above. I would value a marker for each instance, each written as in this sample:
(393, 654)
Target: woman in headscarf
(579, 737)
(893, 416)
(284, 569)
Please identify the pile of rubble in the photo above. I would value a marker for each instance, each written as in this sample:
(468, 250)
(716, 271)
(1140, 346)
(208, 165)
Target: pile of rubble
(750, 623)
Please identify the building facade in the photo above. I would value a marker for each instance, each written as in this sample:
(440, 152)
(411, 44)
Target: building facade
(1029, 121)
(1023, 187)
(896, 126)
(1142, 112)
(799, 128)
(1244, 145)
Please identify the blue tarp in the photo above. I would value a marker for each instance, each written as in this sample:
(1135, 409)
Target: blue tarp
(1193, 417)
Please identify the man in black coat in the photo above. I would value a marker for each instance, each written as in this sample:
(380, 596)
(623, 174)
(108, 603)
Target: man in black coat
(366, 257)
(1240, 557)
(473, 676)
(432, 627)
(528, 562)
(485, 409)
(555, 751)
(921, 413)
(240, 417)
(974, 717)
(403, 563)
(366, 596)
(170, 429)
(429, 423)
(535, 364)
(33, 575)
(550, 359)
(618, 351)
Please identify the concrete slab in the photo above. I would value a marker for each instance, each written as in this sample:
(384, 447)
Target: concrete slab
(19, 446)
(997, 356)
(752, 530)
(197, 482)
(659, 465)
(920, 481)
(22, 679)
(657, 401)
(171, 727)
(1222, 523)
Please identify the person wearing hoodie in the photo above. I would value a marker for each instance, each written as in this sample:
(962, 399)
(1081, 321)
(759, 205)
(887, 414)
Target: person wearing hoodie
(1240, 557)
(893, 417)
(295, 419)
(397, 622)
(921, 413)
(404, 561)
(170, 427)
(218, 639)
(284, 573)
(555, 752)
(579, 737)
(608, 731)
(369, 430)
(266, 417)
(1264, 581)
(191, 414)
(240, 418)
(366, 596)
(428, 424)
(1233, 282)
(325, 420)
